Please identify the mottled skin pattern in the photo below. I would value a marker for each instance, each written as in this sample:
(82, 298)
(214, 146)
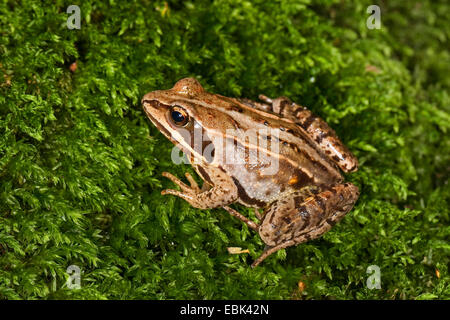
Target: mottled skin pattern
(302, 200)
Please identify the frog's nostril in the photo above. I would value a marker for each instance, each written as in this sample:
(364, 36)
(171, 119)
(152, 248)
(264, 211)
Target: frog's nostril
(151, 103)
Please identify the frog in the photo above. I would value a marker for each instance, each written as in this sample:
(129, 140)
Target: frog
(294, 181)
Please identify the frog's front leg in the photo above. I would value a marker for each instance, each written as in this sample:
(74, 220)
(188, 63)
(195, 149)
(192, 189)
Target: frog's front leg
(295, 219)
(217, 196)
(208, 197)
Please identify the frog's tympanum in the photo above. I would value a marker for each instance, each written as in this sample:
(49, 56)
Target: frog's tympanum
(273, 155)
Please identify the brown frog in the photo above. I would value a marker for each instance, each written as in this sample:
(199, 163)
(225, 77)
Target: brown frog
(274, 155)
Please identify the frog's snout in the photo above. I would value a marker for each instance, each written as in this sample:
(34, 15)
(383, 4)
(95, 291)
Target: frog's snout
(148, 98)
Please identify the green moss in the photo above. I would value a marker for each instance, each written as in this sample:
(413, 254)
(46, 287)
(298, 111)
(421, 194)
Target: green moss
(80, 164)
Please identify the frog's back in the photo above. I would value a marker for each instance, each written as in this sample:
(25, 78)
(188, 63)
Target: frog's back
(275, 156)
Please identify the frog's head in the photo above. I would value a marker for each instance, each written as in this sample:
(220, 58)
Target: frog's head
(187, 115)
(169, 109)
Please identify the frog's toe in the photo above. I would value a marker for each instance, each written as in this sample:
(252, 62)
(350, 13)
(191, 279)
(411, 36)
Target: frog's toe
(265, 99)
(184, 195)
(193, 183)
(177, 181)
(257, 214)
(169, 176)
(168, 191)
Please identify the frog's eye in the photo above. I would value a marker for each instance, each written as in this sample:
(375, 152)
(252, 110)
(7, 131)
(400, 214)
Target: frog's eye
(179, 116)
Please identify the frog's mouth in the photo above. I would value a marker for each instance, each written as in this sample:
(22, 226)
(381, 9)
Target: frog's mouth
(154, 120)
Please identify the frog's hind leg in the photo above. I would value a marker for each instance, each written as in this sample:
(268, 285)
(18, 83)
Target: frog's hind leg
(255, 104)
(269, 250)
(316, 128)
(244, 219)
(326, 138)
(296, 219)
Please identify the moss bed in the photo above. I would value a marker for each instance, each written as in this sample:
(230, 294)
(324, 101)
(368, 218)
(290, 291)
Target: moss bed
(80, 164)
